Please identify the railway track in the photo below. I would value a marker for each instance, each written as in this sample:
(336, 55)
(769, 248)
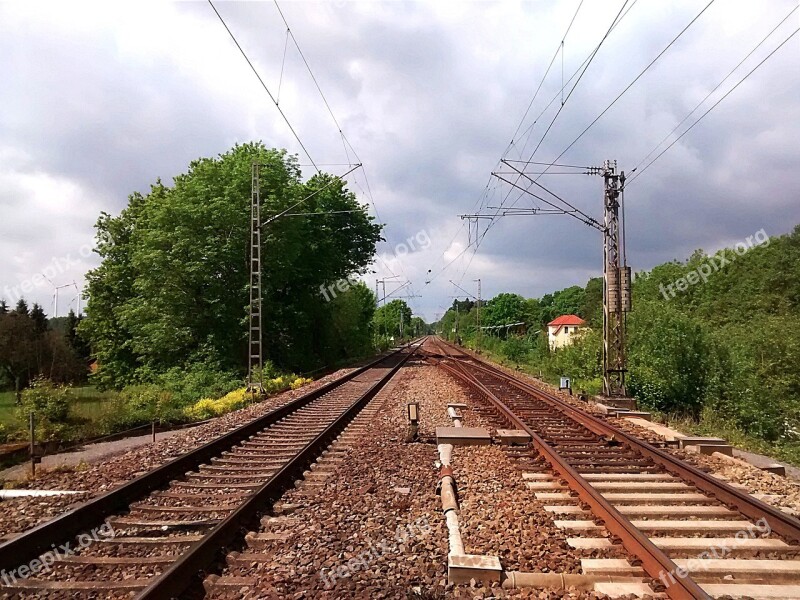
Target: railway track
(157, 535)
(685, 533)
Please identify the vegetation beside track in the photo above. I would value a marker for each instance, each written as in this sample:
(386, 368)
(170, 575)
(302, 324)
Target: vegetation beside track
(166, 319)
(718, 358)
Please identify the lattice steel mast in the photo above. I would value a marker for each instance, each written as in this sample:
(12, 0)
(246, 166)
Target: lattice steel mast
(616, 286)
(255, 377)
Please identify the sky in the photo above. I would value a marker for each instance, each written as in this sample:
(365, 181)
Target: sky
(99, 99)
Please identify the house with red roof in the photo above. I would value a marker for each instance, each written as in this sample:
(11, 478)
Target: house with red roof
(562, 330)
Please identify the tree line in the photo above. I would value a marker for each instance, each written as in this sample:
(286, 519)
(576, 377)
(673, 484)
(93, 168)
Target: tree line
(723, 351)
(32, 345)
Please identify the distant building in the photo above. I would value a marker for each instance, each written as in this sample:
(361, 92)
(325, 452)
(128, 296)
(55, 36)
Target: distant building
(562, 330)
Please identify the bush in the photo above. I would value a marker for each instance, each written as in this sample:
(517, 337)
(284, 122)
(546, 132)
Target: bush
(516, 349)
(200, 380)
(300, 382)
(47, 400)
(52, 407)
(208, 408)
(3, 434)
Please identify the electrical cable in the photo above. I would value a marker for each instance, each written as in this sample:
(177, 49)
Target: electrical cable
(713, 106)
(261, 81)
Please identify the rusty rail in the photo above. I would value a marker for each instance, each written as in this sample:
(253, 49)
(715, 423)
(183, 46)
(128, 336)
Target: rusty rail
(654, 561)
(778, 521)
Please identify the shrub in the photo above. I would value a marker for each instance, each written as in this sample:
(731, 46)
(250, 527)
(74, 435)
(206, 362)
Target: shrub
(52, 407)
(300, 382)
(3, 434)
(47, 400)
(207, 407)
(197, 381)
(516, 349)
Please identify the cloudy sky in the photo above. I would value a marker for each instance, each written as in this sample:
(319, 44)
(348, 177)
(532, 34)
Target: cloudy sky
(98, 99)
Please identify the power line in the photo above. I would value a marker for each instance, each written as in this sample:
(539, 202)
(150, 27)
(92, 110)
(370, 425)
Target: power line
(560, 48)
(264, 85)
(632, 83)
(699, 104)
(628, 87)
(480, 200)
(345, 141)
(713, 106)
(584, 67)
(564, 85)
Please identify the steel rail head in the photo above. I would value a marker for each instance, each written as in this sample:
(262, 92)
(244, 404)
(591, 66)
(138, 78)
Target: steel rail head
(40, 539)
(182, 573)
(654, 561)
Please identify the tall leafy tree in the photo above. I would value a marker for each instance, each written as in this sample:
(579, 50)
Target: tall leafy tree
(351, 315)
(172, 286)
(19, 348)
(503, 309)
(393, 317)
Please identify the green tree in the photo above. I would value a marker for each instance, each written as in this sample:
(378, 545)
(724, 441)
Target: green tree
(22, 307)
(670, 359)
(592, 308)
(352, 313)
(503, 309)
(39, 319)
(19, 348)
(391, 317)
(172, 286)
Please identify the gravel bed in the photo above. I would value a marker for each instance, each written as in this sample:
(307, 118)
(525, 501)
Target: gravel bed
(20, 514)
(379, 505)
(500, 517)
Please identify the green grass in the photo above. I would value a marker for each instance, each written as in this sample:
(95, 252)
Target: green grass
(7, 415)
(91, 404)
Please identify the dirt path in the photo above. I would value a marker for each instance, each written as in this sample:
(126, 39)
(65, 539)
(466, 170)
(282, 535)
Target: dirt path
(91, 453)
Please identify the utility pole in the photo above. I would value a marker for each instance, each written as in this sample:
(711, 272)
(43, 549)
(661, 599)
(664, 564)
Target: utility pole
(478, 314)
(616, 273)
(255, 377)
(616, 286)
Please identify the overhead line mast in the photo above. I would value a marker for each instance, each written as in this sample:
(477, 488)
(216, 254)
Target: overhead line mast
(616, 272)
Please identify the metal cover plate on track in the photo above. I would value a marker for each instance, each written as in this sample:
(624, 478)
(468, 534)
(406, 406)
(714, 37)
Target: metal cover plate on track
(462, 436)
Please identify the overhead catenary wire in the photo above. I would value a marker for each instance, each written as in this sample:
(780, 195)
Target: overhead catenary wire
(716, 87)
(485, 193)
(346, 144)
(529, 129)
(283, 64)
(264, 85)
(713, 106)
(614, 101)
(635, 79)
(560, 48)
(582, 70)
